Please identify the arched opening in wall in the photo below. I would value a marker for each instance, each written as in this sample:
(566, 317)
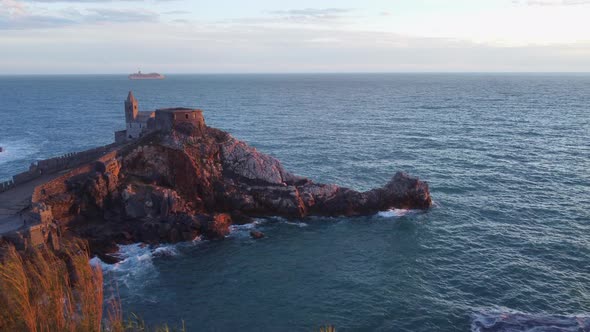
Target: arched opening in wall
(186, 116)
(130, 136)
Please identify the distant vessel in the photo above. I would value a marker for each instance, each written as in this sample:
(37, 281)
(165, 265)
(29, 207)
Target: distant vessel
(141, 76)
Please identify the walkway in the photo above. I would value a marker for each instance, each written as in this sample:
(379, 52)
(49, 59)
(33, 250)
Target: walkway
(17, 199)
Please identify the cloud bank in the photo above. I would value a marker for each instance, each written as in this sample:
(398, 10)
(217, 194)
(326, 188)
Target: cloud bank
(83, 36)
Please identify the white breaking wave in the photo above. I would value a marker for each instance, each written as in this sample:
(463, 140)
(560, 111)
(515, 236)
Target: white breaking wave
(15, 150)
(507, 320)
(243, 231)
(396, 213)
(298, 224)
(165, 251)
(136, 263)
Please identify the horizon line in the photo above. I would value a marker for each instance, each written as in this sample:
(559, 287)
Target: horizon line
(304, 73)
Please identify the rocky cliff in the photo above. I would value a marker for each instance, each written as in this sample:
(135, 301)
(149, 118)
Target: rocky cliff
(177, 186)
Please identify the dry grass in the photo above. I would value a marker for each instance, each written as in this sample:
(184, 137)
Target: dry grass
(42, 290)
(45, 290)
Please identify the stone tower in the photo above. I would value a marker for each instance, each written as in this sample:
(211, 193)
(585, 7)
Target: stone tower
(130, 108)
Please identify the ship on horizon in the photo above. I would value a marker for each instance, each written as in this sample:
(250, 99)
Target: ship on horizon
(141, 76)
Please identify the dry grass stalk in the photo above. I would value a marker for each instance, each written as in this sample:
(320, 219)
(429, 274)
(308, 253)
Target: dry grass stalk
(44, 290)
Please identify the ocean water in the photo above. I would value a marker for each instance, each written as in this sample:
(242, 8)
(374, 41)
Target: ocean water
(507, 157)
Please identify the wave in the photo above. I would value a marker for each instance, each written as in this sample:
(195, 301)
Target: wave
(396, 213)
(19, 149)
(243, 231)
(507, 320)
(296, 223)
(136, 262)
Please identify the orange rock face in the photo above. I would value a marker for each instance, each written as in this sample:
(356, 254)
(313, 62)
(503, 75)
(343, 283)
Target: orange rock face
(170, 187)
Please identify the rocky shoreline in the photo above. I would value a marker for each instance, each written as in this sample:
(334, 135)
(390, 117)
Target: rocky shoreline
(175, 186)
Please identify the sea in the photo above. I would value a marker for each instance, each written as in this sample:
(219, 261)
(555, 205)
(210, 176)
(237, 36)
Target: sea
(507, 158)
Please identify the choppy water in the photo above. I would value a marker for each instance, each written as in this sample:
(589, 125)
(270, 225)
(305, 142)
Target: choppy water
(507, 158)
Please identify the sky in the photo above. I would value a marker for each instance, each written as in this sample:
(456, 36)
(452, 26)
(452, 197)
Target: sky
(286, 36)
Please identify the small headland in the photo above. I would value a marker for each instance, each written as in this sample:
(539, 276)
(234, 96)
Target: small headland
(169, 178)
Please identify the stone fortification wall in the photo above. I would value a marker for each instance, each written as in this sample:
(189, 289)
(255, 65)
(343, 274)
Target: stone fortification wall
(6, 185)
(50, 202)
(58, 185)
(120, 136)
(57, 164)
(170, 118)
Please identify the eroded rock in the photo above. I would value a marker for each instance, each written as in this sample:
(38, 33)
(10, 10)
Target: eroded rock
(177, 186)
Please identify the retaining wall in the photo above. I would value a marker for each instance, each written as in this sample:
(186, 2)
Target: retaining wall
(54, 165)
(6, 185)
(55, 193)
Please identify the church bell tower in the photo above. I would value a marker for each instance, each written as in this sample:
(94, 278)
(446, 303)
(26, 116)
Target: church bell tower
(130, 108)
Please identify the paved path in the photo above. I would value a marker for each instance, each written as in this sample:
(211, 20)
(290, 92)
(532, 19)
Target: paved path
(15, 200)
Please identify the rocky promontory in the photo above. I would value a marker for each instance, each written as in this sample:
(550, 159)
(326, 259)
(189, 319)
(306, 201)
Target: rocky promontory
(175, 186)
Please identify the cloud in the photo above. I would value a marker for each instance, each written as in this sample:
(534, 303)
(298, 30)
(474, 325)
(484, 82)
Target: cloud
(33, 22)
(307, 16)
(177, 12)
(16, 16)
(314, 12)
(552, 2)
(260, 49)
(118, 15)
(92, 1)
(311, 15)
(12, 7)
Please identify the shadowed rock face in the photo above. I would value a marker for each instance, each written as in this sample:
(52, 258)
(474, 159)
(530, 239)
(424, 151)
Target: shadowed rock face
(174, 187)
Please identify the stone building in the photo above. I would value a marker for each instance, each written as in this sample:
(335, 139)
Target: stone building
(187, 120)
(138, 123)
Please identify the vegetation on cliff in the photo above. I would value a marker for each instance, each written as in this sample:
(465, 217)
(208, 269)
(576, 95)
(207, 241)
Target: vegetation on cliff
(49, 290)
(46, 290)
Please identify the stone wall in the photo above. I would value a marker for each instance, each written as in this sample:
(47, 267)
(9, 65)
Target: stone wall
(41, 227)
(58, 188)
(120, 136)
(135, 129)
(168, 119)
(57, 164)
(6, 185)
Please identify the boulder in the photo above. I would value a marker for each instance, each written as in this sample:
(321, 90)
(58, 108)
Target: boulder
(256, 234)
(217, 227)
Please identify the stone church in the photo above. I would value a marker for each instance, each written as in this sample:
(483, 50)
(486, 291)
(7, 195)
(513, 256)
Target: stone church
(138, 123)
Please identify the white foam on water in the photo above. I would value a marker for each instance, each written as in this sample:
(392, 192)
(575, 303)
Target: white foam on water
(136, 268)
(133, 257)
(396, 213)
(242, 231)
(507, 320)
(15, 150)
(296, 223)
(166, 251)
